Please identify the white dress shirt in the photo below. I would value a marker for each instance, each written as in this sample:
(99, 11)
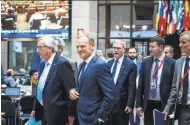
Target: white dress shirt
(159, 77)
(119, 64)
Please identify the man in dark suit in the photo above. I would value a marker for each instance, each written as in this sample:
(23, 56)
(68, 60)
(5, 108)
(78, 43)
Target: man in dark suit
(132, 54)
(124, 73)
(95, 89)
(179, 100)
(155, 80)
(56, 79)
(72, 103)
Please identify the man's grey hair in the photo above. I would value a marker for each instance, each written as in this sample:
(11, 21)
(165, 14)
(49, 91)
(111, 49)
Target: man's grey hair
(121, 41)
(171, 48)
(59, 42)
(50, 42)
(187, 33)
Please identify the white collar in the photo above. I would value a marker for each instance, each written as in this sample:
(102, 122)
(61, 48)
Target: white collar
(50, 61)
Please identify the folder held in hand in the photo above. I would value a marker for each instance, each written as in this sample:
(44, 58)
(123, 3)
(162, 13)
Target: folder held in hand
(32, 121)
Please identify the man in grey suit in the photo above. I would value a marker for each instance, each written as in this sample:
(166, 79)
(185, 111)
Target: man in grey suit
(72, 104)
(179, 100)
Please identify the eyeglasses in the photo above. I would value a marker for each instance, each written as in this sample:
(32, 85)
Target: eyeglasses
(39, 47)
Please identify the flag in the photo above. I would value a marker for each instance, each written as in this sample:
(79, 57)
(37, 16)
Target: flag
(180, 17)
(165, 16)
(157, 17)
(170, 21)
(161, 15)
(174, 15)
(186, 23)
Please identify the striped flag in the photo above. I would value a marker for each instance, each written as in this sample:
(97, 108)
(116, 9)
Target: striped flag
(157, 16)
(165, 16)
(180, 17)
(174, 15)
(170, 21)
(186, 23)
(161, 20)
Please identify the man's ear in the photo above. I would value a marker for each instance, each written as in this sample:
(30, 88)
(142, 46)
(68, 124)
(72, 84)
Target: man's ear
(92, 44)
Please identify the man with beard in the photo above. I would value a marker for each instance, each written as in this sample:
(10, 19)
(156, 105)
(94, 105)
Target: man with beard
(132, 54)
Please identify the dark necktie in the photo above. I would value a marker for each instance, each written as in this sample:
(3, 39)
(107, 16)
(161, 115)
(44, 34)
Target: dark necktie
(82, 69)
(114, 69)
(155, 78)
(185, 83)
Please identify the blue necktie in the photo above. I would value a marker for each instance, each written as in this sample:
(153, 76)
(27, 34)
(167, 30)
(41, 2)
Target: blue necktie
(155, 78)
(114, 69)
(82, 69)
(185, 83)
(41, 82)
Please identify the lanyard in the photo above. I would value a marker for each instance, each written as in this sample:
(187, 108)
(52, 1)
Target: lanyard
(158, 67)
(182, 78)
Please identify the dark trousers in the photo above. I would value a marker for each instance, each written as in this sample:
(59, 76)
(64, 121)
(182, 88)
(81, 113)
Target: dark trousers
(120, 118)
(183, 115)
(148, 114)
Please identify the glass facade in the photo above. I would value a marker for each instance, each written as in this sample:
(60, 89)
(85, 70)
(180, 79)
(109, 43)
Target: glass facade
(131, 21)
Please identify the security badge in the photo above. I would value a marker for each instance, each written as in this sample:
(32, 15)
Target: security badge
(153, 85)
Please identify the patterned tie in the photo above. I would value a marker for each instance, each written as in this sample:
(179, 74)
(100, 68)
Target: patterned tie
(82, 69)
(114, 69)
(185, 83)
(41, 83)
(155, 78)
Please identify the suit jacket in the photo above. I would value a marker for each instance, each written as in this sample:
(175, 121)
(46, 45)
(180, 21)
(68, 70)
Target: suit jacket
(126, 84)
(74, 67)
(172, 101)
(139, 64)
(59, 81)
(143, 90)
(97, 93)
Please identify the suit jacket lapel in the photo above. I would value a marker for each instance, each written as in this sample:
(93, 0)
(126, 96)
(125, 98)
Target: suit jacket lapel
(165, 65)
(51, 71)
(41, 68)
(179, 69)
(149, 69)
(121, 72)
(90, 65)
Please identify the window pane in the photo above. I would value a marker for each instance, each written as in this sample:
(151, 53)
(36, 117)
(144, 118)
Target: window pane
(114, 21)
(120, 20)
(144, 20)
(102, 21)
(20, 55)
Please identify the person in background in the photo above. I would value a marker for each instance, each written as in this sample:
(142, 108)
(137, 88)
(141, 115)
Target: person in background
(72, 104)
(155, 80)
(124, 72)
(10, 81)
(100, 54)
(33, 78)
(132, 54)
(169, 50)
(36, 15)
(179, 100)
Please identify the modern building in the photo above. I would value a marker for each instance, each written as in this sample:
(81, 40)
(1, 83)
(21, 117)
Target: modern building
(130, 20)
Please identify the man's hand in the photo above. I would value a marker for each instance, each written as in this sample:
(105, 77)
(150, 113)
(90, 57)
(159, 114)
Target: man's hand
(165, 115)
(73, 94)
(128, 110)
(140, 111)
(32, 114)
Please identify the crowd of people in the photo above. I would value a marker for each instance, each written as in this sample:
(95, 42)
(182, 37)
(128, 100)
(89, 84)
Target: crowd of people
(104, 91)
